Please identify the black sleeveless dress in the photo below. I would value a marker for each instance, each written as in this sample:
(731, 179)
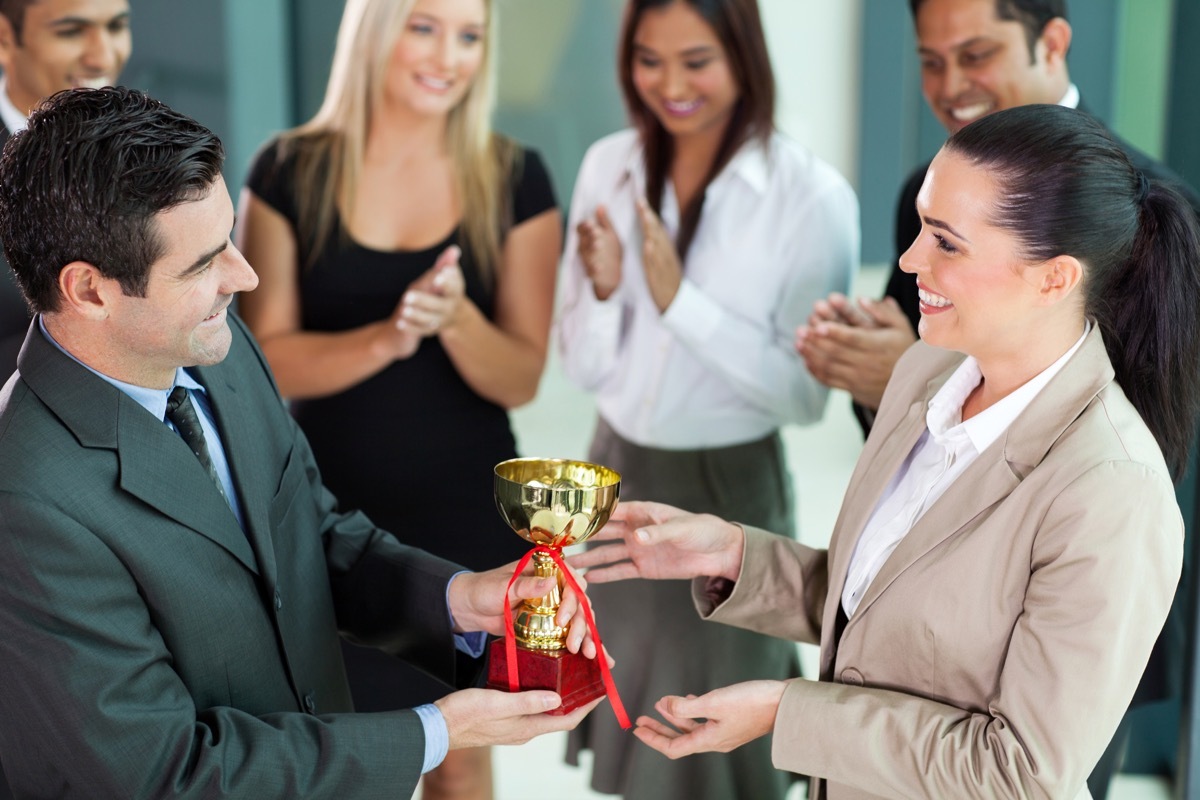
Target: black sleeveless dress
(413, 446)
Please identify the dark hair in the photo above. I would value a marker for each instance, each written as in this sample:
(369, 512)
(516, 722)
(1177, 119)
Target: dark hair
(14, 11)
(1067, 188)
(85, 179)
(738, 26)
(1032, 14)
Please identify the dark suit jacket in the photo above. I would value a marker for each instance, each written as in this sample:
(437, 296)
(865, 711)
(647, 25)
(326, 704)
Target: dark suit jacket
(14, 314)
(149, 647)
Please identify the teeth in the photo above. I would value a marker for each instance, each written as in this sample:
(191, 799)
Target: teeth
(681, 108)
(970, 113)
(931, 299)
(93, 83)
(434, 83)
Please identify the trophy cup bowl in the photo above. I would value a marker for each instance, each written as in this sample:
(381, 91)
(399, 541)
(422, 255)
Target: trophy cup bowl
(556, 503)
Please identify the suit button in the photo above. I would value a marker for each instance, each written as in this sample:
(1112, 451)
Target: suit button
(278, 600)
(852, 677)
(310, 703)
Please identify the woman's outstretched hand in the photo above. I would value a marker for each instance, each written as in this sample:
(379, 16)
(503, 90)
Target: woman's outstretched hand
(720, 721)
(653, 540)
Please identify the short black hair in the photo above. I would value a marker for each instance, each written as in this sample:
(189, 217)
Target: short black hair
(14, 12)
(85, 179)
(1032, 14)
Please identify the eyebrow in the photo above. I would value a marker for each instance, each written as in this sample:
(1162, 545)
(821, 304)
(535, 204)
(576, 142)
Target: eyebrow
(937, 223)
(703, 49)
(960, 46)
(70, 22)
(199, 263)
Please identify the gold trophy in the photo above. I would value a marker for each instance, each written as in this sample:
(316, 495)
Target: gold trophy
(552, 503)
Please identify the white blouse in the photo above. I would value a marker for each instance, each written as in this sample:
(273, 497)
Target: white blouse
(945, 450)
(779, 231)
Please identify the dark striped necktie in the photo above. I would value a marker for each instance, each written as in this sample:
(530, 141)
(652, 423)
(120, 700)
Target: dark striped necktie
(182, 415)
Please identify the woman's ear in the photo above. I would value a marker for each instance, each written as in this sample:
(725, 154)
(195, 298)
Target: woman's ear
(1058, 278)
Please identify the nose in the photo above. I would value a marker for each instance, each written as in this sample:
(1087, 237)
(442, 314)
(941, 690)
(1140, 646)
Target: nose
(103, 52)
(447, 51)
(955, 81)
(911, 260)
(674, 82)
(237, 275)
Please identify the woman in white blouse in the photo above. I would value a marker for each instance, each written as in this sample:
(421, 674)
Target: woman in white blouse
(1009, 544)
(698, 241)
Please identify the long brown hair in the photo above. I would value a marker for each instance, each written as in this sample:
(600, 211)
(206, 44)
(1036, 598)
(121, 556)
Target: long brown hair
(738, 26)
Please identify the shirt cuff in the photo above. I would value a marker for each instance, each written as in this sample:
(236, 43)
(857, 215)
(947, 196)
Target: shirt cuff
(693, 314)
(472, 643)
(437, 738)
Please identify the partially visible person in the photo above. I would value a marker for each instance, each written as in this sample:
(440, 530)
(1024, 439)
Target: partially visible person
(1009, 543)
(406, 256)
(697, 242)
(977, 57)
(173, 573)
(47, 46)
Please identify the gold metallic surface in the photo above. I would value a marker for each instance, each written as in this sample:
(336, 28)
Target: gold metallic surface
(555, 502)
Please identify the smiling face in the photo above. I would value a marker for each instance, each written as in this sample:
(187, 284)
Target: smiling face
(64, 44)
(438, 54)
(181, 321)
(977, 295)
(682, 72)
(974, 63)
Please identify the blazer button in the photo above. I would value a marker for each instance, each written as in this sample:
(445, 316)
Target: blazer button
(278, 600)
(310, 703)
(852, 677)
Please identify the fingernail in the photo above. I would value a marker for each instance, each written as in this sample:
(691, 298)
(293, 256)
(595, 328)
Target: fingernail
(641, 535)
(551, 701)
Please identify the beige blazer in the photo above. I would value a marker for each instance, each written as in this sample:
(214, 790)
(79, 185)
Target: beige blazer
(998, 647)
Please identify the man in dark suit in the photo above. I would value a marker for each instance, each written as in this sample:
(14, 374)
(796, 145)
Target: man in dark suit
(171, 595)
(47, 46)
(977, 57)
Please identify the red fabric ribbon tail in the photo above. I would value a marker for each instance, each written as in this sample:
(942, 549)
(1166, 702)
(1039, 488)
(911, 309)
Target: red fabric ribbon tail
(510, 636)
(610, 686)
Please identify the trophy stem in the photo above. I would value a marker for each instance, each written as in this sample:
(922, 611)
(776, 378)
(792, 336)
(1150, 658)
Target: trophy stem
(534, 626)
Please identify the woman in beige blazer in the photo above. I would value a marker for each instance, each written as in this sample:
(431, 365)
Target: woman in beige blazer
(1010, 543)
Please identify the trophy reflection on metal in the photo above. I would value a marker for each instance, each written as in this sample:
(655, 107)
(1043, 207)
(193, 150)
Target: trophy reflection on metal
(552, 503)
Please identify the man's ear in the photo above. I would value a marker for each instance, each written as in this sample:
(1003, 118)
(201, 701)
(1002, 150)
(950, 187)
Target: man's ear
(1058, 278)
(1055, 41)
(85, 291)
(8, 42)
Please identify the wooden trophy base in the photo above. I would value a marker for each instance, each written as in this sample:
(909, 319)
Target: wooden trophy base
(574, 677)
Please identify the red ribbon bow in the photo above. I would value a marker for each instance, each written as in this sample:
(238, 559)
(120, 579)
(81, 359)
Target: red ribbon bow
(510, 638)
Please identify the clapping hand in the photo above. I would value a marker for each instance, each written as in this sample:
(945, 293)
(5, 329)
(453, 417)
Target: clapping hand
(660, 260)
(600, 251)
(432, 302)
(855, 348)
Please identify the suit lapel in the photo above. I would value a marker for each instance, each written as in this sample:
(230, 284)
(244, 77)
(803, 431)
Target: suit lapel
(155, 464)
(234, 419)
(998, 470)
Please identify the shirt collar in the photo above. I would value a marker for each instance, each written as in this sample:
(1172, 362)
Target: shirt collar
(751, 164)
(945, 408)
(10, 115)
(1071, 98)
(153, 400)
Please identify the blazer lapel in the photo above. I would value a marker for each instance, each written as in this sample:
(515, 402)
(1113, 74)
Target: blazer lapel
(155, 464)
(1001, 468)
(235, 421)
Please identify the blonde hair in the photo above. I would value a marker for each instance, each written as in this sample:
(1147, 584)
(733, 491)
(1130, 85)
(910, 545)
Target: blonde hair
(330, 147)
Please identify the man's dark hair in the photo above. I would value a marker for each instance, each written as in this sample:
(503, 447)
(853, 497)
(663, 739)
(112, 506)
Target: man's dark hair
(14, 11)
(1032, 14)
(85, 179)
